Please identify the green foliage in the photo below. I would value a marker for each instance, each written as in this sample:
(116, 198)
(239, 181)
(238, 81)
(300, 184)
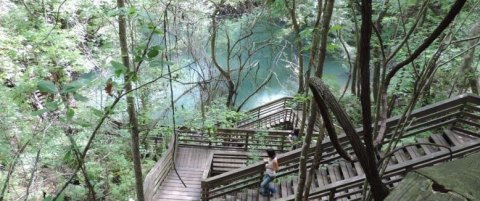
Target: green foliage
(69, 52)
(47, 86)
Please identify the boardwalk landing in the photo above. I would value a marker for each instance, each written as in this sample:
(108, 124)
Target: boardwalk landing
(190, 164)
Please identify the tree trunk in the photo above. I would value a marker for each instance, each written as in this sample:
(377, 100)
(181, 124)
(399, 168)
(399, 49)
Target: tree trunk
(316, 158)
(379, 190)
(132, 113)
(298, 44)
(302, 186)
(471, 79)
(225, 74)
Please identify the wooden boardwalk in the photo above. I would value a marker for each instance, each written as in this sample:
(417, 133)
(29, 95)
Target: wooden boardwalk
(190, 163)
(223, 175)
(346, 178)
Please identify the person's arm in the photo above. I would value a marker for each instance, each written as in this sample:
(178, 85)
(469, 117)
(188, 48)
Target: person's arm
(275, 165)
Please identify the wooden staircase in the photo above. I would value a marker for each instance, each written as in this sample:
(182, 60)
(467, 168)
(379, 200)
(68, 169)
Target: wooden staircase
(453, 125)
(281, 113)
(345, 179)
(454, 122)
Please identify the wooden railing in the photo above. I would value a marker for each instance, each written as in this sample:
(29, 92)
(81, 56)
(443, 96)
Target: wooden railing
(461, 110)
(159, 172)
(355, 184)
(236, 139)
(266, 109)
(279, 117)
(227, 161)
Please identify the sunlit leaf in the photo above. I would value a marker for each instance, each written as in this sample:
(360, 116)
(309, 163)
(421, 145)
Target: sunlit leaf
(335, 27)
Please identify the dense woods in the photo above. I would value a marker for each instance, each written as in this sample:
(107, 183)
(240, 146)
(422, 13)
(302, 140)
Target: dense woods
(90, 88)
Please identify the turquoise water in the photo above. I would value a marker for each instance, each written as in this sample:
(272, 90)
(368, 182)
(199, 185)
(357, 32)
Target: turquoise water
(274, 58)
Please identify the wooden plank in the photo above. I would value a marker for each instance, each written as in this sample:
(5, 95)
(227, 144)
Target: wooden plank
(358, 168)
(334, 175)
(428, 149)
(452, 137)
(181, 189)
(177, 197)
(284, 189)
(250, 195)
(413, 151)
(323, 173)
(318, 181)
(242, 196)
(398, 157)
(438, 139)
(180, 193)
(294, 184)
(347, 173)
(277, 190)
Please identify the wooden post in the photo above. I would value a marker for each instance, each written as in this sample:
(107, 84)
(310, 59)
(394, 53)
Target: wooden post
(204, 193)
(209, 139)
(283, 142)
(246, 141)
(460, 115)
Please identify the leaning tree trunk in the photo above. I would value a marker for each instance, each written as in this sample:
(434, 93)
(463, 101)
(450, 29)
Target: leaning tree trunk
(132, 113)
(325, 101)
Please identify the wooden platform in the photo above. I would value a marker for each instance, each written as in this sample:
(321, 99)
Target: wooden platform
(190, 163)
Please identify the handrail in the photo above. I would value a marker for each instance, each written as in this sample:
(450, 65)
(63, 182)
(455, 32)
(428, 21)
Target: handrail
(421, 120)
(159, 172)
(206, 172)
(280, 100)
(265, 109)
(236, 139)
(286, 114)
(397, 169)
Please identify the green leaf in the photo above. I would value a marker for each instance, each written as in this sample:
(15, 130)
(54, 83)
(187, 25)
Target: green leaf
(72, 87)
(155, 63)
(47, 87)
(68, 156)
(335, 27)
(119, 68)
(97, 112)
(167, 62)
(132, 11)
(88, 77)
(70, 113)
(51, 106)
(61, 197)
(39, 112)
(138, 58)
(48, 198)
(331, 47)
(79, 97)
(153, 52)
